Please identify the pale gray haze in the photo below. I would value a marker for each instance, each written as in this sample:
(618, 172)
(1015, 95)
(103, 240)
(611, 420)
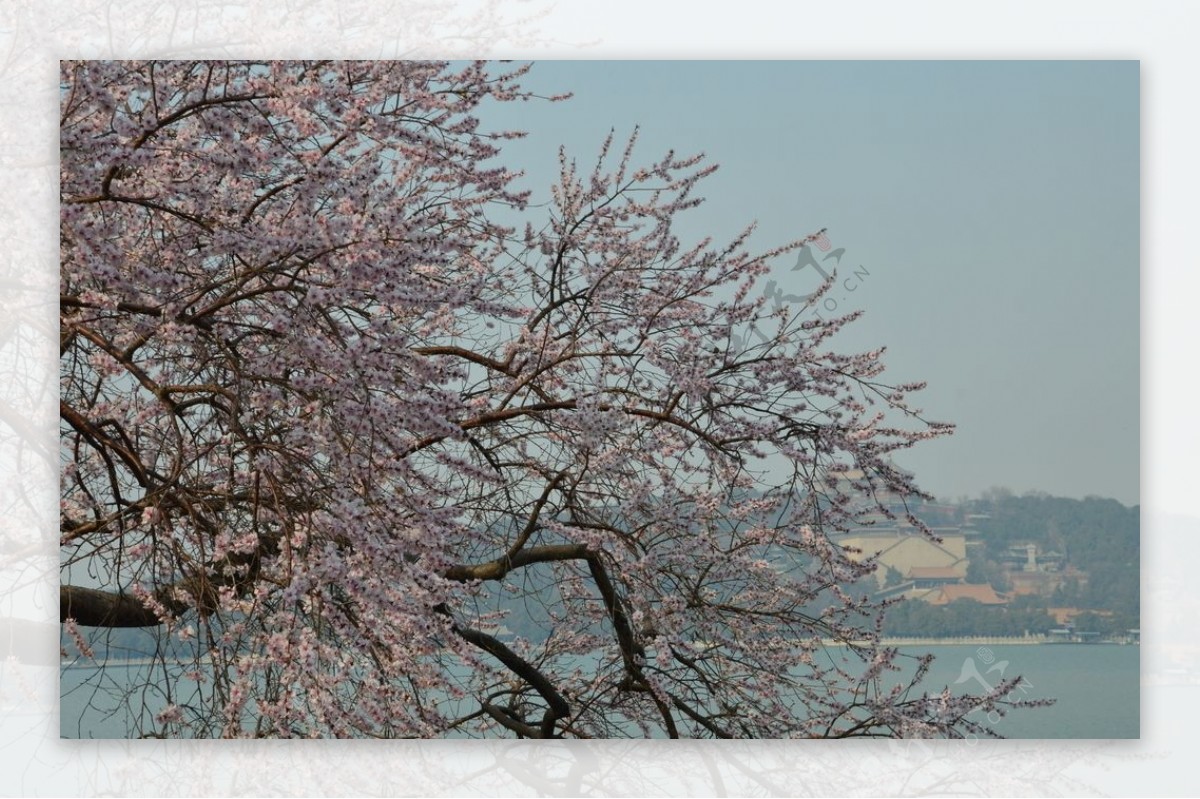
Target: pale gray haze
(988, 213)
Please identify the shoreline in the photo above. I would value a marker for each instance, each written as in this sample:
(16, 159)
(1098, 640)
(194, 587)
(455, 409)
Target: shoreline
(966, 640)
(986, 640)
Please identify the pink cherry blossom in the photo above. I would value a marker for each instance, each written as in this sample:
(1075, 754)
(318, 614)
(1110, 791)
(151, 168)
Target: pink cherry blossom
(328, 415)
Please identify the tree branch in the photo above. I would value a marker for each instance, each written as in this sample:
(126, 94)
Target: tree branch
(558, 706)
(496, 569)
(94, 608)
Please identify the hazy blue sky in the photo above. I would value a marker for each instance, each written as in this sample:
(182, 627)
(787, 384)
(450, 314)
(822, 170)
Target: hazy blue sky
(993, 205)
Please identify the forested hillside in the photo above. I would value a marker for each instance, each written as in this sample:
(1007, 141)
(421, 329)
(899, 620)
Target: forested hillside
(1097, 536)
(1094, 543)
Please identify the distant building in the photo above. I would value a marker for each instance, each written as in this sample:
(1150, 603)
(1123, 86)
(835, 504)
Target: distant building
(1044, 583)
(875, 503)
(1027, 557)
(1065, 617)
(980, 592)
(1030, 571)
(934, 576)
(911, 554)
(920, 568)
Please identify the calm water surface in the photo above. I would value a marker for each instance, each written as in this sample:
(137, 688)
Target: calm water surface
(1097, 688)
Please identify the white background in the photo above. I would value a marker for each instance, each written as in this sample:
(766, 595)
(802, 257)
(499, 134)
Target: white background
(33, 35)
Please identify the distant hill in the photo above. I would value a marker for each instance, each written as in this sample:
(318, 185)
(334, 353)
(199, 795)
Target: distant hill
(1098, 536)
(1088, 550)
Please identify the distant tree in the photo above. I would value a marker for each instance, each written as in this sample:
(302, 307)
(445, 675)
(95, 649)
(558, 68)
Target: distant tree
(982, 569)
(1097, 623)
(997, 494)
(327, 423)
(1066, 594)
(976, 572)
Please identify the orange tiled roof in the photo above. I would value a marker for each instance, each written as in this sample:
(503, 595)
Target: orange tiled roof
(982, 593)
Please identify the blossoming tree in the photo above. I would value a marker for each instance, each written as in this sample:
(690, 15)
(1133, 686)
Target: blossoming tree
(331, 428)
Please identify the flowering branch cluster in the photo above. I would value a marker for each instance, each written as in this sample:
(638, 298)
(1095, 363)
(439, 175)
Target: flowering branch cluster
(322, 409)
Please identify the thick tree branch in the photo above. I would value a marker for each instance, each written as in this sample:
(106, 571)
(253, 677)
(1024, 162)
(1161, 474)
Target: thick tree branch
(94, 608)
(558, 706)
(496, 569)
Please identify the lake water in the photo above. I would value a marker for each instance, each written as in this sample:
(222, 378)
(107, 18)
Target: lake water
(1097, 688)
